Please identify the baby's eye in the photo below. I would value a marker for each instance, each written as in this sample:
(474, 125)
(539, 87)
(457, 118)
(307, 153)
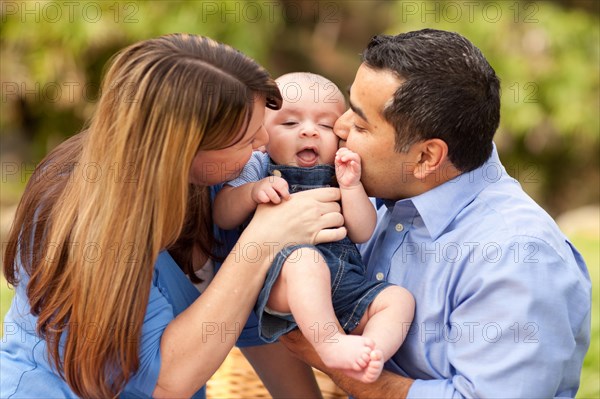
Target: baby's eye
(326, 126)
(289, 123)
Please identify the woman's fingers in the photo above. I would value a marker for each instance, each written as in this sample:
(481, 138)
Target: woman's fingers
(332, 228)
(331, 220)
(330, 235)
(327, 194)
(329, 207)
(309, 217)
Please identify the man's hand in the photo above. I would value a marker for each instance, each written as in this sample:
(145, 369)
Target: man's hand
(270, 189)
(388, 385)
(295, 342)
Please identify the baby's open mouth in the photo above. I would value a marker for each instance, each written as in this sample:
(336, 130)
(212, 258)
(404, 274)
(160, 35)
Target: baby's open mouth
(307, 157)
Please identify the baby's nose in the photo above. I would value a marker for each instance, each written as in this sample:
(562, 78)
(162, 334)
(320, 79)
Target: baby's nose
(309, 130)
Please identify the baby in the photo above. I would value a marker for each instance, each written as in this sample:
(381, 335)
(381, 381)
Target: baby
(315, 287)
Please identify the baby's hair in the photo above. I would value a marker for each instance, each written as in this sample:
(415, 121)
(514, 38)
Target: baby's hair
(311, 78)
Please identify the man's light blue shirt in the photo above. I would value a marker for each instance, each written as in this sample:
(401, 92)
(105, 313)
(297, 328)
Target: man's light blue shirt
(503, 299)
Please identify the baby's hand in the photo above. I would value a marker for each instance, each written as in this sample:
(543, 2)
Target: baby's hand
(347, 168)
(270, 189)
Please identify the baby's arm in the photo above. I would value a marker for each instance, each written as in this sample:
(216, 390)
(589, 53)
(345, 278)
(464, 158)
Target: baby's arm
(359, 214)
(233, 205)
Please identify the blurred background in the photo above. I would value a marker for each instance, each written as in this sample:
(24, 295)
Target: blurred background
(546, 53)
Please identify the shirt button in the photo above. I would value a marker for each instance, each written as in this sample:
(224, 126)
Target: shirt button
(379, 276)
(276, 173)
(399, 227)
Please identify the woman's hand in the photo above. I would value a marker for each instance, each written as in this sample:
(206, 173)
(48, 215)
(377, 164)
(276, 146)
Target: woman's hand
(309, 217)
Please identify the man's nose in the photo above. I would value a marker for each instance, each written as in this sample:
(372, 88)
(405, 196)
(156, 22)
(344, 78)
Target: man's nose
(342, 125)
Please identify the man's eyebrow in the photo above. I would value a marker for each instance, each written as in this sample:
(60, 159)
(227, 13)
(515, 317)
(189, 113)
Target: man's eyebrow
(355, 109)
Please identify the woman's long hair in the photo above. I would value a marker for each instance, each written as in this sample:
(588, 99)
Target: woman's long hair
(99, 208)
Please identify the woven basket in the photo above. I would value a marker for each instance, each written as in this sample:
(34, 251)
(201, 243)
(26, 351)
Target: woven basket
(236, 379)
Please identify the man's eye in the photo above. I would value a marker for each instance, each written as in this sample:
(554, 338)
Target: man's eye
(358, 128)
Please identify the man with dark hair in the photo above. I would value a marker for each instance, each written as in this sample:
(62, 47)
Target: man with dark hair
(503, 299)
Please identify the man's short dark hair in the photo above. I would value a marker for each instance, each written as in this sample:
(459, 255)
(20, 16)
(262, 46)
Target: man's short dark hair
(450, 92)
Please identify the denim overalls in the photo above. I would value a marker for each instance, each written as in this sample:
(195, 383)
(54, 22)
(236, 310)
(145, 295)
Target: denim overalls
(351, 291)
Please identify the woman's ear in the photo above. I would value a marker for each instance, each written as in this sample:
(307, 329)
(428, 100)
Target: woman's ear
(433, 155)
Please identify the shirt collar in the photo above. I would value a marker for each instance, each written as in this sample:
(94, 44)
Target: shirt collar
(439, 206)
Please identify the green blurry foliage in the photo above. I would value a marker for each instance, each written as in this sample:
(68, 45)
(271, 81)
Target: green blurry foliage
(548, 60)
(547, 57)
(546, 54)
(53, 53)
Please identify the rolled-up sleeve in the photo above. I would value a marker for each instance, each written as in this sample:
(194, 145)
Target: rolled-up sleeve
(520, 326)
(253, 171)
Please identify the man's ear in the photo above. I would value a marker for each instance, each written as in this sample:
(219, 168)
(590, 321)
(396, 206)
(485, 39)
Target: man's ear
(432, 156)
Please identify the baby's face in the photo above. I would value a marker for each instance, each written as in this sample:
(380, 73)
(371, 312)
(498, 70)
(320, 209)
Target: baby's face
(301, 132)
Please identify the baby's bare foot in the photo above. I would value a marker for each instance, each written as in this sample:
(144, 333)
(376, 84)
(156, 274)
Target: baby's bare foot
(348, 352)
(373, 370)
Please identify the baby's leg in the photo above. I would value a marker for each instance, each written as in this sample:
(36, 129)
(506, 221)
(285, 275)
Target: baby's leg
(388, 319)
(304, 289)
(386, 322)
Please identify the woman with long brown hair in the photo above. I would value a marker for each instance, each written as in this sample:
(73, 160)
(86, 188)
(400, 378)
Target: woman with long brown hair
(99, 310)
